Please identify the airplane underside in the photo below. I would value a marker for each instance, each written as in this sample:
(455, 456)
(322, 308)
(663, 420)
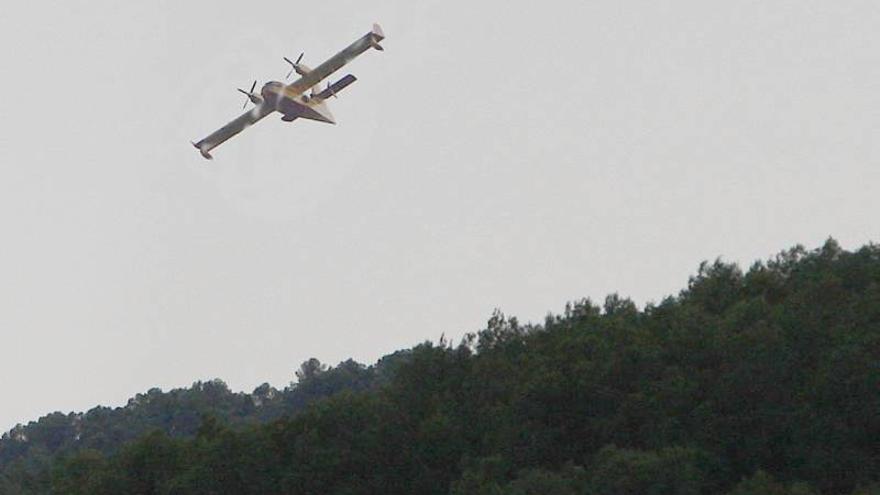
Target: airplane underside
(312, 107)
(313, 110)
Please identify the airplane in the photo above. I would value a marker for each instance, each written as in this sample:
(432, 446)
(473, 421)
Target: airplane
(295, 100)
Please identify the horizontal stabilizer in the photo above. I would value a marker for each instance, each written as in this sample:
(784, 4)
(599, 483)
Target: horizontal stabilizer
(336, 87)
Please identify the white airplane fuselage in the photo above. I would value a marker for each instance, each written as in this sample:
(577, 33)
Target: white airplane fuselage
(293, 105)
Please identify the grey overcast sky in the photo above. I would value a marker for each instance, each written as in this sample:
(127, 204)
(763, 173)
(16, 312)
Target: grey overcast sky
(499, 153)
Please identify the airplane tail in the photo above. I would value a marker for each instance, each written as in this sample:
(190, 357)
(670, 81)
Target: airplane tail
(336, 87)
(315, 109)
(318, 110)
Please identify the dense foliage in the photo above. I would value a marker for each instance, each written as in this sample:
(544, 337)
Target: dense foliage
(757, 382)
(27, 451)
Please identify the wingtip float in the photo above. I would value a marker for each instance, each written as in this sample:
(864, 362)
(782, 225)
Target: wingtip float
(303, 98)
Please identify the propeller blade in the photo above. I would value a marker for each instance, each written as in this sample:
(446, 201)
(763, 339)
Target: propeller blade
(292, 67)
(248, 94)
(293, 64)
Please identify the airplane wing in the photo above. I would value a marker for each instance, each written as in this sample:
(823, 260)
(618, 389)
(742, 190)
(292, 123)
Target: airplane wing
(334, 63)
(229, 130)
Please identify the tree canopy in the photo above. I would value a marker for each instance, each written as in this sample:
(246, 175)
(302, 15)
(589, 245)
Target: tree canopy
(758, 381)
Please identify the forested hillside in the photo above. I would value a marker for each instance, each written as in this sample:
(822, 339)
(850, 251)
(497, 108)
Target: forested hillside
(28, 451)
(764, 381)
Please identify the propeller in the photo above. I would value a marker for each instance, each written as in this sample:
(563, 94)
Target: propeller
(255, 99)
(293, 64)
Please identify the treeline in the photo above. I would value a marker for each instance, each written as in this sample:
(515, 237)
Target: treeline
(758, 382)
(28, 452)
